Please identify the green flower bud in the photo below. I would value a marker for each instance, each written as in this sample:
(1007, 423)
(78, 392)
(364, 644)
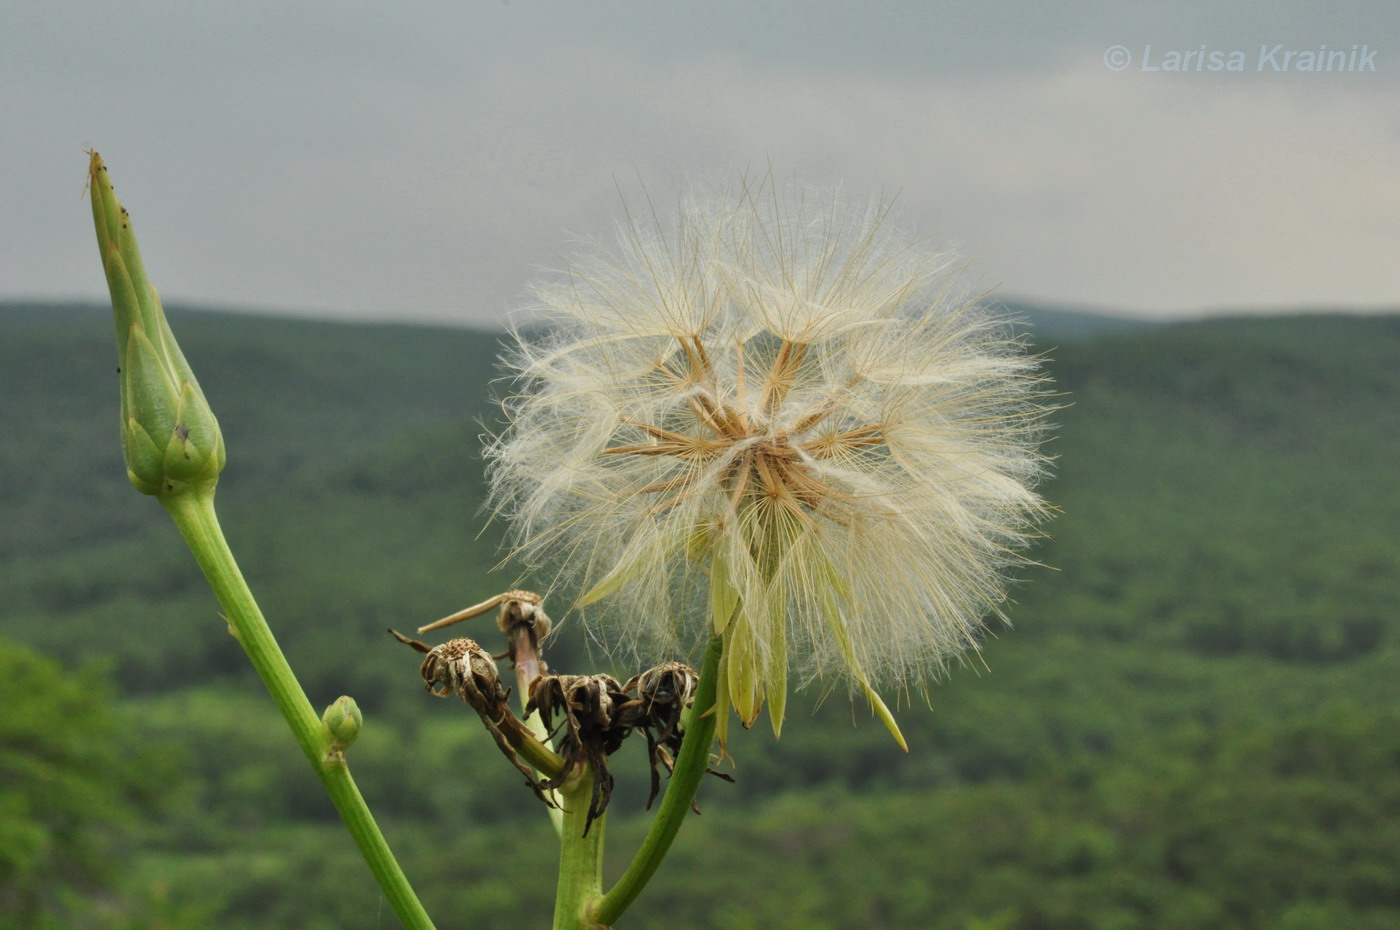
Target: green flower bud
(341, 724)
(170, 438)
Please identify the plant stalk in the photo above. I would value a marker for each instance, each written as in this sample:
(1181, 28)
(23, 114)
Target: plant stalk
(580, 857)
(194, 515)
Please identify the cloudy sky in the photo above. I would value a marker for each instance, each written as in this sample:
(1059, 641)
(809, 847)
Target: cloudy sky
(425, 161)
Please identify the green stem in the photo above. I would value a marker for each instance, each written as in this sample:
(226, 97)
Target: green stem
(556, 814)
(531, 747)
(691, 763)
(193, 512)
(580, 857)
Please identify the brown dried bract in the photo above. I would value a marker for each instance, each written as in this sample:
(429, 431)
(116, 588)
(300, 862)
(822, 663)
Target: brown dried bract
(663, 695)
(586, 707)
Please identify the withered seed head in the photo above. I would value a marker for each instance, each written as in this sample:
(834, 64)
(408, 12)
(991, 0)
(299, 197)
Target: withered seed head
(672, 683)
(524, 608)
(593, 728)
(663, 695)
(517, 608)
(588, 703)
(461, 667)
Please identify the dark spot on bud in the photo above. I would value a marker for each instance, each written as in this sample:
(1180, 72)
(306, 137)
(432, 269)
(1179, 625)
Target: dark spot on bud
(183, 432)
(169, 486)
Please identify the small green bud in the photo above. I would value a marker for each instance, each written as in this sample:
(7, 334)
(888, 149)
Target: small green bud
(170, 438)
(341, 724)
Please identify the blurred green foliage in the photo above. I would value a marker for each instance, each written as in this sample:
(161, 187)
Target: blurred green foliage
(1193, 724)
(74, 784)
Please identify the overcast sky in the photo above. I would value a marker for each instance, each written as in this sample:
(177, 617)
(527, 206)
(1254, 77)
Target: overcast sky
(425, 161)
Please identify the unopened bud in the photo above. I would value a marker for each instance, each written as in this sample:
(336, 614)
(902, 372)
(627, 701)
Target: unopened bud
(341, 723)
(170, 438)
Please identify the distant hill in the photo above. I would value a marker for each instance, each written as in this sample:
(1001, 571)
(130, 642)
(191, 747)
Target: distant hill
(286, 390)
(1049, 325)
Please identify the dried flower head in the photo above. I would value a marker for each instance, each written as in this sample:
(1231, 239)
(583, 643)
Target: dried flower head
(463, 668)
(773, 419)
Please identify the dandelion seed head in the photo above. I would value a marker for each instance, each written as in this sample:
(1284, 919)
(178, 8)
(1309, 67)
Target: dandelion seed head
(773, 417)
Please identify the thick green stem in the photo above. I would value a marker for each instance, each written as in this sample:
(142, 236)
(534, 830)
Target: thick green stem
(193, 512)
(580, 857)
(691, 763)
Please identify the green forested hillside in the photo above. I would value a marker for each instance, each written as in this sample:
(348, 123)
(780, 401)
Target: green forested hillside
(1192, 725)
